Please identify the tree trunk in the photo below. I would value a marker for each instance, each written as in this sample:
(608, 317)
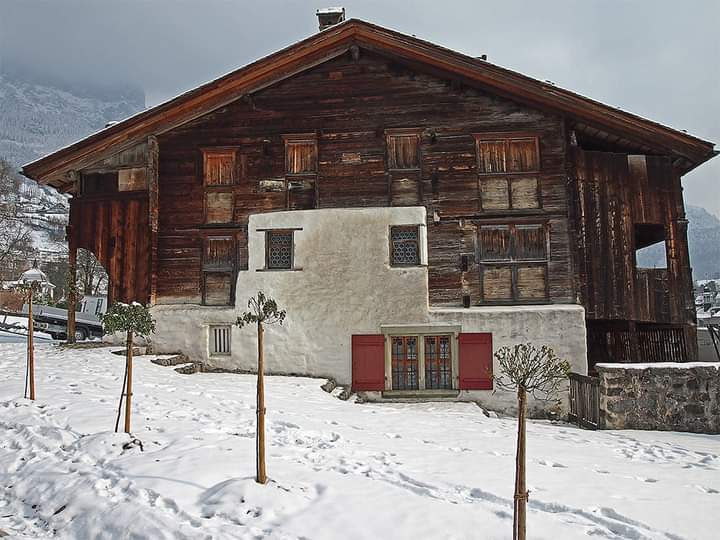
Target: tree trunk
(128, 393)
(521, 493)
(261, 476)
(31, 347)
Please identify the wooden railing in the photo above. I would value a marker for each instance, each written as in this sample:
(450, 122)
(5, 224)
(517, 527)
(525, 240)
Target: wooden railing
(584, 401)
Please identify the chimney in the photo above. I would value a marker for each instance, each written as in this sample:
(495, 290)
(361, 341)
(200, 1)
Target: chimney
(330, 16)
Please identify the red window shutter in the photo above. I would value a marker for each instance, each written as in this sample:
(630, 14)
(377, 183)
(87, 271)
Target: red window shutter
(476, 361)
(368, 363)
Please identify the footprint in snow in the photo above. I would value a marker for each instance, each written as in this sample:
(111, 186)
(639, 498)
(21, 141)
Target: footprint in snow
(393, 436)
(647, 480)
(552, 464)
(709, 490)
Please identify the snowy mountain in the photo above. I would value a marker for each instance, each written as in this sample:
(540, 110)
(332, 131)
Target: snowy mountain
(703, 243)
(38, 117)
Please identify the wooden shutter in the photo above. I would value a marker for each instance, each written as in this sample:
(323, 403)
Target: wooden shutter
(494, 242)
(494, 193)
(403, 151)
(524, 193)
(529, 243)
(492, 156)
(218, 207)
(219, 167)
(218, 289)
(531, 282)
(300, 156)
(219, 253)
(497, 283)
(523, 155)
(476, 361)
(368, 363)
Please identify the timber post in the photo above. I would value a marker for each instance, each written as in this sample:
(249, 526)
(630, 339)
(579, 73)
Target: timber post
(31, 346)
(521, 493)
(261, 474)
(71, 233)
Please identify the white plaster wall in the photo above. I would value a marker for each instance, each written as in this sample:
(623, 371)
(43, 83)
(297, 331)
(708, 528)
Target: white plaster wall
(344, 285)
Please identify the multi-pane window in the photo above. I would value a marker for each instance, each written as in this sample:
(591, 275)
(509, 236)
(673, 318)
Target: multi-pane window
(404, 246)
(437, 362)
(513, 262)
(220, 340)
(301, 156)
(403, 149)
(508, 166)
(218, 270)
(219, 175)
(279, 250)
(404, 362)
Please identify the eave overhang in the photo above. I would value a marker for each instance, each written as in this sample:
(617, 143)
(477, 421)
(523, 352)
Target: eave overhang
(687, 150)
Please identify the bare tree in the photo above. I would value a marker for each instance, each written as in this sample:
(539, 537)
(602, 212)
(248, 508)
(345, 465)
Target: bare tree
(528, 370)
(15, 239)
(262, 311)
(91, 276)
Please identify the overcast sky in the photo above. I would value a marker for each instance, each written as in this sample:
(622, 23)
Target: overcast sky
(656, 58)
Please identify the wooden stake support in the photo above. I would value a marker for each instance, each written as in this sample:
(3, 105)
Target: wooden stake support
(261, 475)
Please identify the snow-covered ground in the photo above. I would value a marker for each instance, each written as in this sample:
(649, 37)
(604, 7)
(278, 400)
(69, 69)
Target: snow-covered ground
(338, 469)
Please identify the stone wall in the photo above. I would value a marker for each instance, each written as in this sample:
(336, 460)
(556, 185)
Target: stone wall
(666, 396)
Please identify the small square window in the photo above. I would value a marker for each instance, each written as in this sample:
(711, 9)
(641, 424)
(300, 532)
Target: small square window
(403, 150)
(301, 156)
(279, 250)
(220, 340)
(404, 246)
(219, 167)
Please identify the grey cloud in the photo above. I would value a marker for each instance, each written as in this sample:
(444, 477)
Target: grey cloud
(658, 59)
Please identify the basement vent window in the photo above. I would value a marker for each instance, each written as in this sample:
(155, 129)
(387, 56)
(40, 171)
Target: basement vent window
(220, 340)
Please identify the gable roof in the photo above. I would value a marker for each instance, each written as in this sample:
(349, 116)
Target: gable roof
(590, 115)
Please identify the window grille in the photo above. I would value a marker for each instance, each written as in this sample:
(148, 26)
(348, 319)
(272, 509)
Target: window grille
(404, 249)
(220, 340)
(279, 250)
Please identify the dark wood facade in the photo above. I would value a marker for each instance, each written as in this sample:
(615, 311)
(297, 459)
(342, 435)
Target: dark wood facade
(525, 203)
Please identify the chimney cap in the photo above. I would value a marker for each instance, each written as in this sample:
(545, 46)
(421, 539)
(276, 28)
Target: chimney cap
(330, 16)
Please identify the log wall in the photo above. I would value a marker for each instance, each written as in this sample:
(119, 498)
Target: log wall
(350, 106)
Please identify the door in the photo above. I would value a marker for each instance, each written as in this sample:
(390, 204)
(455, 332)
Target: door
(405, 363)
(438, 363)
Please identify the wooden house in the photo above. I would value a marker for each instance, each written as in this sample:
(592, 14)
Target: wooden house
(413, 208)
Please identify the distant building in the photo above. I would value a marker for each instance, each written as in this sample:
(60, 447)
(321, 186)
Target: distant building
(34, 274)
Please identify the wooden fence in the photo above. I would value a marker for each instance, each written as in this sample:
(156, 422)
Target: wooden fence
(584, 401)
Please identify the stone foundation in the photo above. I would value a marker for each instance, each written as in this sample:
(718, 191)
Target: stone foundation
(666, 397)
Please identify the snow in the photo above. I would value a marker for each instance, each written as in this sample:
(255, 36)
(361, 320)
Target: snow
(337, 468)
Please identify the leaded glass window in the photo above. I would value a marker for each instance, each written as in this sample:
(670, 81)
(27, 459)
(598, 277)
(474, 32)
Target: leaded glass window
(404, 246)
(405, 363)
(279, 250)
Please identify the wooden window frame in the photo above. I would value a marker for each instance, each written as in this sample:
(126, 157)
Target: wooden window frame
(416, 228)
(514, 263)
(509, 176)
(268, 234)
(403, 132)
(301, 138)
(421, 333)
(223, 151)
(219, 188)
(230, 270)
